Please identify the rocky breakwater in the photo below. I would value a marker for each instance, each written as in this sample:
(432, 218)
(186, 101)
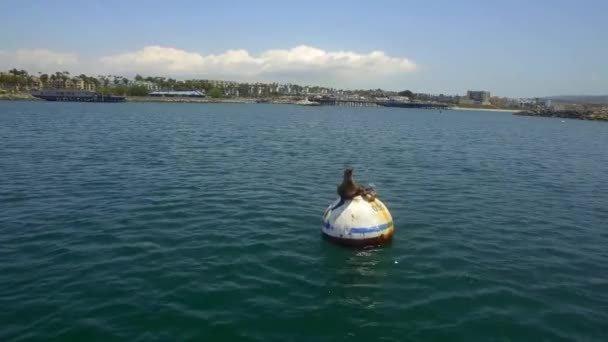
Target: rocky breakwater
(16, 96)
(598, 114)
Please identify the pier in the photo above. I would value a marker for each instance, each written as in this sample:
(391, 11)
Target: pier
(332, 101)
(420, 105)
(329, 101)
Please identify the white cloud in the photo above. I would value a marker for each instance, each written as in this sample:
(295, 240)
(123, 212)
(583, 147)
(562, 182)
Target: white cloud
(37, 58)
(302, 63)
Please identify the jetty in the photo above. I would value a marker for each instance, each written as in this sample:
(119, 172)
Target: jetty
(68, 95)
(335, 101)
(421, 105)
(599, 114)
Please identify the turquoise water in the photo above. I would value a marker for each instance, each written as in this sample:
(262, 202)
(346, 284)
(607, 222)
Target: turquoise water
(165, 222)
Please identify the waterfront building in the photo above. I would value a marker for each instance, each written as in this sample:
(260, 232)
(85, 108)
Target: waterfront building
(231, 91)
(479, 96)
(78, 84)
(89, 86)
(57, 83)
(35, 83)
(75, 84)
(221, 83)
(151, 86)
(172, 93)
(546, 103)
(535, 103)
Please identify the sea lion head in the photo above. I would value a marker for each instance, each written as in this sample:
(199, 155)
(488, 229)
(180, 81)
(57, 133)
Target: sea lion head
(348, 172)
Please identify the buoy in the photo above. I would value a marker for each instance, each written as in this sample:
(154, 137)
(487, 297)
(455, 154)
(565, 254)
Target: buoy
(358, 222)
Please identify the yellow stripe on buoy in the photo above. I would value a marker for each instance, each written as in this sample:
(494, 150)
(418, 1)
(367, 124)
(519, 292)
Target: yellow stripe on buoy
(384, 212)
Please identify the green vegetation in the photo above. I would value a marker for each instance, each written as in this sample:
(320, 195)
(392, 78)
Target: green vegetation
(216, 93)
(21, 81)
(124, 90)
(15, 79)
(406, 93)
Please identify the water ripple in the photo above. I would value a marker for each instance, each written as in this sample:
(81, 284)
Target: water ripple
(148, 222)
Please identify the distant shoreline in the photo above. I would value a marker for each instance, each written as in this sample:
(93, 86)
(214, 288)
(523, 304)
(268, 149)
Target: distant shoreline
(29, 97)
(487, 109)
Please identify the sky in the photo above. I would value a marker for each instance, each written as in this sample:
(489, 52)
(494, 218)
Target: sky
(510, 48)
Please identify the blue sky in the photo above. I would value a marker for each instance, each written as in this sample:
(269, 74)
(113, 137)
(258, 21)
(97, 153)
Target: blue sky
(511, 48)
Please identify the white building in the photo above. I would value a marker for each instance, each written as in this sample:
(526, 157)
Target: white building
(149, 85)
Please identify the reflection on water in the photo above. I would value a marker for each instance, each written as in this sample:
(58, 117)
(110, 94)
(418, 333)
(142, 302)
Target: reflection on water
(355, 274)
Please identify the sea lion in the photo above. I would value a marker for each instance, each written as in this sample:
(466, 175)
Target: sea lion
(349, 188)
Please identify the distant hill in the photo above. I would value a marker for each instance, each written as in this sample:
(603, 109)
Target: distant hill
(583, 99)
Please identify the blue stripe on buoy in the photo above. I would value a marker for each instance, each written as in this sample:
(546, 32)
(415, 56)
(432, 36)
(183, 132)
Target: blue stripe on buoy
(365, 230)
(375, 229)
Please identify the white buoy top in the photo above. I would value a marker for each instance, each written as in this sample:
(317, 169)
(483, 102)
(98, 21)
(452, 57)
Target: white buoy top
(358, 220)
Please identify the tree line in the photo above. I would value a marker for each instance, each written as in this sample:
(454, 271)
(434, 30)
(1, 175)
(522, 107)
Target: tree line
(21, 80)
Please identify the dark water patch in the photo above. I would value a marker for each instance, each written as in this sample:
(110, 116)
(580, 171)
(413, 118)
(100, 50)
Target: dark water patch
(202, 222)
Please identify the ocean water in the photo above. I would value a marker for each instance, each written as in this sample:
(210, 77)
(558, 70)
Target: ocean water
(170, 222)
